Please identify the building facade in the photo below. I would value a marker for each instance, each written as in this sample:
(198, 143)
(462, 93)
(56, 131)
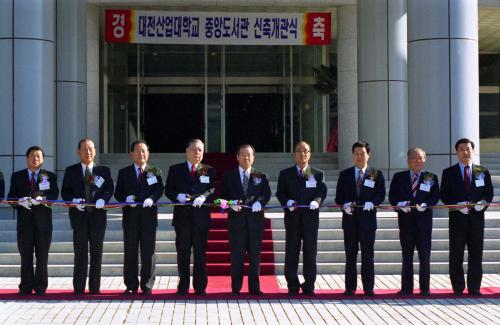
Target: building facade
(408, 73)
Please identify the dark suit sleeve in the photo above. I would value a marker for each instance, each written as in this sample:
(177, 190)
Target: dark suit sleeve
(209, 192)
(158, 189)
(281, 191)
(265, 195)
(2, 186)
(120, 194)
(488, 191)
(106, 192)
(446, 193)
(394, 191)
(379, 195)
(53, 192)
(340, 193)
(170, 191)
(321, 190)
(66, 191)
(433, 197)
(13, 191)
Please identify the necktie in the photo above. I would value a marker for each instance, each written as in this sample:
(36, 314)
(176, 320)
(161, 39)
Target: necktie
(88, 188)
(414, 185)
(33, 184)
(359, 181)
(301, 173)
(140, 177)
(245, 183)
(467, 178)
(193, 172)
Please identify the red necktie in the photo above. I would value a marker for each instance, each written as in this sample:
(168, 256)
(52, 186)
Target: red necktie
(140, 178)
(193, 172)
(414, 184)
(467, 178)
(33, 183)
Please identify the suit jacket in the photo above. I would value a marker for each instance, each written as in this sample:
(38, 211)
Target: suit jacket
(128, 184)
(258, 190)
(400, 190)
(453, 189)
(291, 186)
(179, 181)
(73, 187)
(346, 192)
(20, 187)
(2, 186)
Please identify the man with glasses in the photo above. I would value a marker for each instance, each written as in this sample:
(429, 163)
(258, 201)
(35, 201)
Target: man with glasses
(413, 191)
(359, 189)
(250, 188)
(463, 184)
(31, 186)
(187, 182)
(302, 189)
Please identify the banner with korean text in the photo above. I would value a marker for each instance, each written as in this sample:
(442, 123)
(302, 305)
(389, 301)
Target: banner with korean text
(228, 28)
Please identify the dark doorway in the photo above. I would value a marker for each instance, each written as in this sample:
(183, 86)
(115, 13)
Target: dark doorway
(256, 119)
(170, 120)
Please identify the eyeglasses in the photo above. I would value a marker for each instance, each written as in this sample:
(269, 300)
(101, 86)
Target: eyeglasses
(304, 151)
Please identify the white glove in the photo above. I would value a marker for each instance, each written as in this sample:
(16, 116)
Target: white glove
(464, 210)
(421, 207)
(368, 206)
(182, 198)
(256, 207)
(347, 208)
(403, 206)
(99, 204)
(148, 203)
(290, 204)
(80, 207)
(235, 207)
(199, 201)
(313, 205)
(131, 198)
(36, 201)
(25, 202)
(480, 206)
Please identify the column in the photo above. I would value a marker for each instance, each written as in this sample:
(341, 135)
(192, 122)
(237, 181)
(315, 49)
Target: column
(443, 81)
(382, 82)
(71, 80)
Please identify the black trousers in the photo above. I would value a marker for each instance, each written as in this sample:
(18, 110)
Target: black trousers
(187, 236)
(242, 239)
(415, 231)
(466, 230)
(33, 240)
(301, 230)
(353, 240)
(88, 236)
(139, 232)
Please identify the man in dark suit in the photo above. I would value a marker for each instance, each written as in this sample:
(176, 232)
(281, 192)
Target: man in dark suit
(301, 185)
(194, 182)
(31, 187)
(86, 182)
(246, 225)
(140, 185)
(468, 185)
(2, 187)
(359, 189)
(413, 191)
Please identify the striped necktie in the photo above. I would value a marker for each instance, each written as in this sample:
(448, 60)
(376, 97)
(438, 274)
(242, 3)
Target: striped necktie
(414, 185)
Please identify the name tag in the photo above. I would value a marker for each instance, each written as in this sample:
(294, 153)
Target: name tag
(369, 183)
(152, 180)
(311, 184)
(425, 187)
(44, 186)
(205, 179)
(98, 181)
(479, 182)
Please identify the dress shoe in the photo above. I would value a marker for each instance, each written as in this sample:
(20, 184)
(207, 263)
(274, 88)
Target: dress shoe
(23, 293)
(129, 292)
(404, 293)
(425, 293)
(181, 292)
(308, 292)
(293, 292)
(256, 293)
(95, 292)
(200, 293)
(146, 292)
(369, 293)
(235, 293)
(78, 292)
(457, 293)
(40, 293)
(348, 293)
(475, 293)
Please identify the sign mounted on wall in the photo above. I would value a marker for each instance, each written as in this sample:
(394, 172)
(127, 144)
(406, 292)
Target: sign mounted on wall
(218, 28)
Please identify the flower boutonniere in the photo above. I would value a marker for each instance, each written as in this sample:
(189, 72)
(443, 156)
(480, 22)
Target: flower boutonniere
(201, 170)
(43, 176)
(478, 171)
(373, 174)
(428, 178)
(153, 172)
(257, 177)
(307, 174)
(90, 180)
